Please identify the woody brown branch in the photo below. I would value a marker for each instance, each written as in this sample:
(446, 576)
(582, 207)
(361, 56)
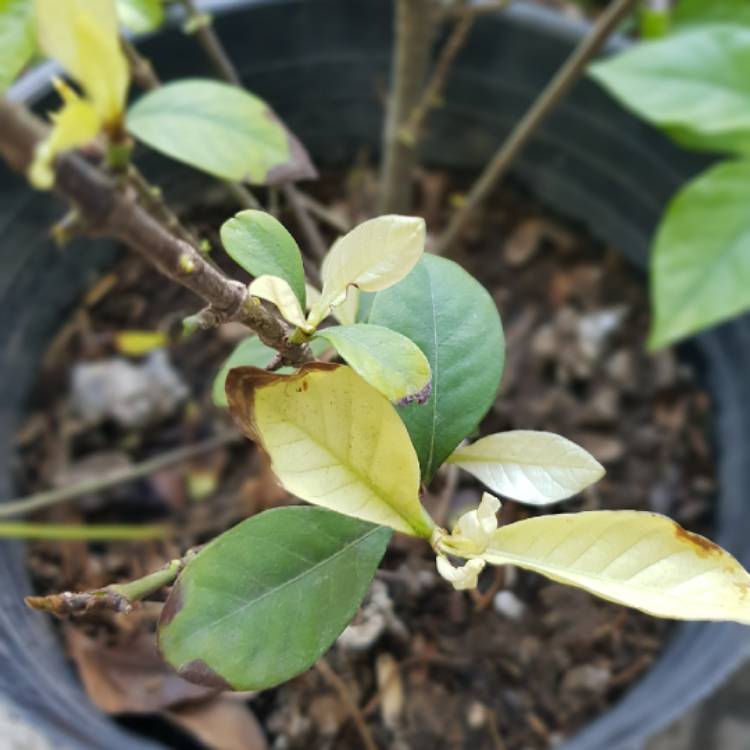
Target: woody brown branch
(111, 211)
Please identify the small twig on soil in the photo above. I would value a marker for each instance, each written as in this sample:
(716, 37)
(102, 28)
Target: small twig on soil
(23, 506)
(345, 696)
(555, 90)
(415, 23)
(110, 210)
(117, 597)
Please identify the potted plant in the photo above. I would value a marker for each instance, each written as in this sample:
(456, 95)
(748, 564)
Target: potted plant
(610, 219)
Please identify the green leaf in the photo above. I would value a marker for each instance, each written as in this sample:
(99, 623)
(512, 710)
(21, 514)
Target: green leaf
(387, 360)
(263, 601)
(700, 261)
(251, 351)
(695, 85)
(220, 129)
(17, 42)
(688, 13)
(450, 316)
(140, 16)
(261, 244)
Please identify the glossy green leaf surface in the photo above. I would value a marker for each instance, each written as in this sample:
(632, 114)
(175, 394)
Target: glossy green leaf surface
(260, 244)
(140, 16)
(387, 360)
(450, 316)
(700, 261)
(17, 43)
(263, 601)
(695, 85)
(220, 129)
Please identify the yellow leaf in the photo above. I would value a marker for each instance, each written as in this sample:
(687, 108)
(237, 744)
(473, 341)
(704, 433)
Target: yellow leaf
(75, 124)
(373, 256)
(334, 441)
(532, 467)
(82, 36)
(276, 290)
(139, 343)
(642, 560)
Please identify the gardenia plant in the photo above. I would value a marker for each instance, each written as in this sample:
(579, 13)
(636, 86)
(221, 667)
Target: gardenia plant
(421, 354)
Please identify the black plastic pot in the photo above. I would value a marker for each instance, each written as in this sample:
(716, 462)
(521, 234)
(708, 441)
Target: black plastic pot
(321, 63)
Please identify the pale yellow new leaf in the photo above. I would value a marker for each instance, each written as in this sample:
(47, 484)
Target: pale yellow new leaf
(642, 560)
(532, 467)
(373, 256)
(82, 36)
(76, 124)
(346, 311)
(276, 290)
(334, 441)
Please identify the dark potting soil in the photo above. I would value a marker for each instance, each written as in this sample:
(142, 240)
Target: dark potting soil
(519, 664)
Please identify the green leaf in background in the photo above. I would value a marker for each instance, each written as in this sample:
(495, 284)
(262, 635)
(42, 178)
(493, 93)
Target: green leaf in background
(261, 244)
(387, 360)
(220, 129)
(689, 13)
(140, 16)
(263, 601)
(252, 351)
(17, 40)
(694, 85)
(700, 261)
(453, 320)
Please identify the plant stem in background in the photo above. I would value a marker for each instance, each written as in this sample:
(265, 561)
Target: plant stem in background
(555, 90)
(415, 22)
(23, 506)
(118, 597)
(432, 93)
(108, 211)
(204, 31)
(61, 532)
(224, 67)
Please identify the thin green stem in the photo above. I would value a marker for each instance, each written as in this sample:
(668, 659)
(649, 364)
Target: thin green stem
(78, 533)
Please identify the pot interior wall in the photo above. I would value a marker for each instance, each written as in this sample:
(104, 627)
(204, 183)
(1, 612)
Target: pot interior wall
(322, 64)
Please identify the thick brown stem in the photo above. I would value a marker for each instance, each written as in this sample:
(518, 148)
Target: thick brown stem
(108, 211)
(556, 89)
(415, 21)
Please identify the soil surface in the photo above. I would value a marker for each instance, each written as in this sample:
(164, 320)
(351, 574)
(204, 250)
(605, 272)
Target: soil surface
(519, 664)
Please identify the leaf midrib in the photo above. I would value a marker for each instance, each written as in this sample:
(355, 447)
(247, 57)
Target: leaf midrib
(298, 577)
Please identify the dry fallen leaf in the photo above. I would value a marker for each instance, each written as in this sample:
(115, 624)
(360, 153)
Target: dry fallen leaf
(130, 678)
(222, 723)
